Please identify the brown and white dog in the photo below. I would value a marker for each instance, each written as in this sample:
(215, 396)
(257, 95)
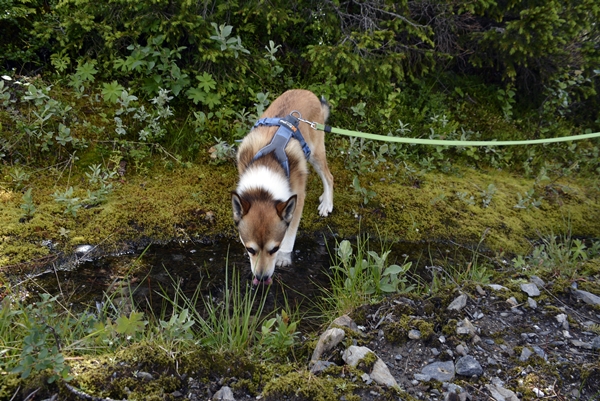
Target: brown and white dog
(268, 201)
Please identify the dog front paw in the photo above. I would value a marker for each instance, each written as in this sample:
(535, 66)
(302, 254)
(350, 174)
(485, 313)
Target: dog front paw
(283, 259)
(326, 206)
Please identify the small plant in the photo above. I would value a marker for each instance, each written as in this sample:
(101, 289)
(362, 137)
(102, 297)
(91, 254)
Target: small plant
(367, 194)
(28, 206)
(528, 201)
(488, 194)
(360, 277)
(278, 334)
(19, 177)
(221, 152)
(465, 198)
(559, 255)
(66, 198)
(40, 345)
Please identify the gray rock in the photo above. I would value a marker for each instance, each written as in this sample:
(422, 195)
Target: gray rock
(458, 303)
(329, 339)
(537, 281)
(381, 374)
(354, 354)
(414, 334)
(596, 343)
(587, 297)
(500, 393)
(530, 289)
(468, 366)
(466, 327)
(224, 394)
(440, 371)
(320, 366)
(562, 319)
(421, 377)
(346, 321)
(497, 287)
(525, 354)
(539, 351)
(581, 344)
(531, 302)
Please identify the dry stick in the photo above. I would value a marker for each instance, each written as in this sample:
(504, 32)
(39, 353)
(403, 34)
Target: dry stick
(85, 396)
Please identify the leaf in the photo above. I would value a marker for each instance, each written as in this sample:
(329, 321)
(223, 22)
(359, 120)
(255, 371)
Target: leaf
(196, 95)
(112, 92)
(393, 269)
(206, 82)
(387, 288)
(131, 325)
(87, 71)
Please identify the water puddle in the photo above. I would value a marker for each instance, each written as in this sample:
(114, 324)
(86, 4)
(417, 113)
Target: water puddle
(152, 274)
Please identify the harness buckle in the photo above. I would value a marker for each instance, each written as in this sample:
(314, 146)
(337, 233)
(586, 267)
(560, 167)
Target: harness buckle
(312, 124)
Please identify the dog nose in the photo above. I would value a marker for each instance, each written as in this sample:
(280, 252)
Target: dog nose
(262, 278)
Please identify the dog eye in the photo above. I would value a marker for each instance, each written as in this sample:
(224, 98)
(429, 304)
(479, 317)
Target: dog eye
(251, 251)
(272, 251)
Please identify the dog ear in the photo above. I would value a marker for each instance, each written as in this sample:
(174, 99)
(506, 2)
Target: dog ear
(285, 210)
(240, 207)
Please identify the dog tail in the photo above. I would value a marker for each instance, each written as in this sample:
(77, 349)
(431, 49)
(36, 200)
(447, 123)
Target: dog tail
(324, 109)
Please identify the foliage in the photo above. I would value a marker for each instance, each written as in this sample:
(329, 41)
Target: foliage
(560, 255)
(364, 276)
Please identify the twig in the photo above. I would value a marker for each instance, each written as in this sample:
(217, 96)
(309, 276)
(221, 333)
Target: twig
(85, 396)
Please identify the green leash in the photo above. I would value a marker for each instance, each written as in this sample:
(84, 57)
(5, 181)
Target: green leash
(438, 142)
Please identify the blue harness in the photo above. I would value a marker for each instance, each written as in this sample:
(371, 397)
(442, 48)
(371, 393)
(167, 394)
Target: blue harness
(288, 129)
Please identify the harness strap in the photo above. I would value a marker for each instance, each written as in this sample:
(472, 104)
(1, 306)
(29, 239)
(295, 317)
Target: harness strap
(288, 128)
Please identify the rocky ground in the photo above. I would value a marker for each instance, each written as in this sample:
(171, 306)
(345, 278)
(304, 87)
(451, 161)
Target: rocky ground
(527, 340)
(487, 342)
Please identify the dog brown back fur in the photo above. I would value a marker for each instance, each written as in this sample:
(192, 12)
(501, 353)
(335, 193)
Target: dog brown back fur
(267, 223)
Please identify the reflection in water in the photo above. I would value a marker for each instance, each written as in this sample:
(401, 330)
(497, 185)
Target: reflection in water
(152, 274)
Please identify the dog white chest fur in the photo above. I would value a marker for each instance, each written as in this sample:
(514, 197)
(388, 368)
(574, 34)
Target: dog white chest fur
(267, 204)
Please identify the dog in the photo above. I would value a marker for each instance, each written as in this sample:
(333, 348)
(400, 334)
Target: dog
(269, 198)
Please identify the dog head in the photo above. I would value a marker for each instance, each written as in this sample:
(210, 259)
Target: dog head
(262, 222)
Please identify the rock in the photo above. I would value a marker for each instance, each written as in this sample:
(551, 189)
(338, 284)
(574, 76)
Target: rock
(379, 373)
(596, 343)
(525, 354)
(586, 297)
(224, 394)
(497, 287)
(562, 319)
(480, 290)
(414, 334)
(320, 366)
(512, 301)
(537, 281)
(440, 371)
(354, 354)
(458, 303)
(539, 351)
(500, 393)
(346, 321)
(581, 344)
(329, 339)
(466, 327)
(144, 376)
(530, 289)
(461, 350)
(531, 303)
(468, 366)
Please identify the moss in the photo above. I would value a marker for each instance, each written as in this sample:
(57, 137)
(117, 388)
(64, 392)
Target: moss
(190, 203)
(303, 385)
(397, 332)
(449, 329)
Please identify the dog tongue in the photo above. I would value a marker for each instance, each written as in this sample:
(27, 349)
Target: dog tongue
(268, 281)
